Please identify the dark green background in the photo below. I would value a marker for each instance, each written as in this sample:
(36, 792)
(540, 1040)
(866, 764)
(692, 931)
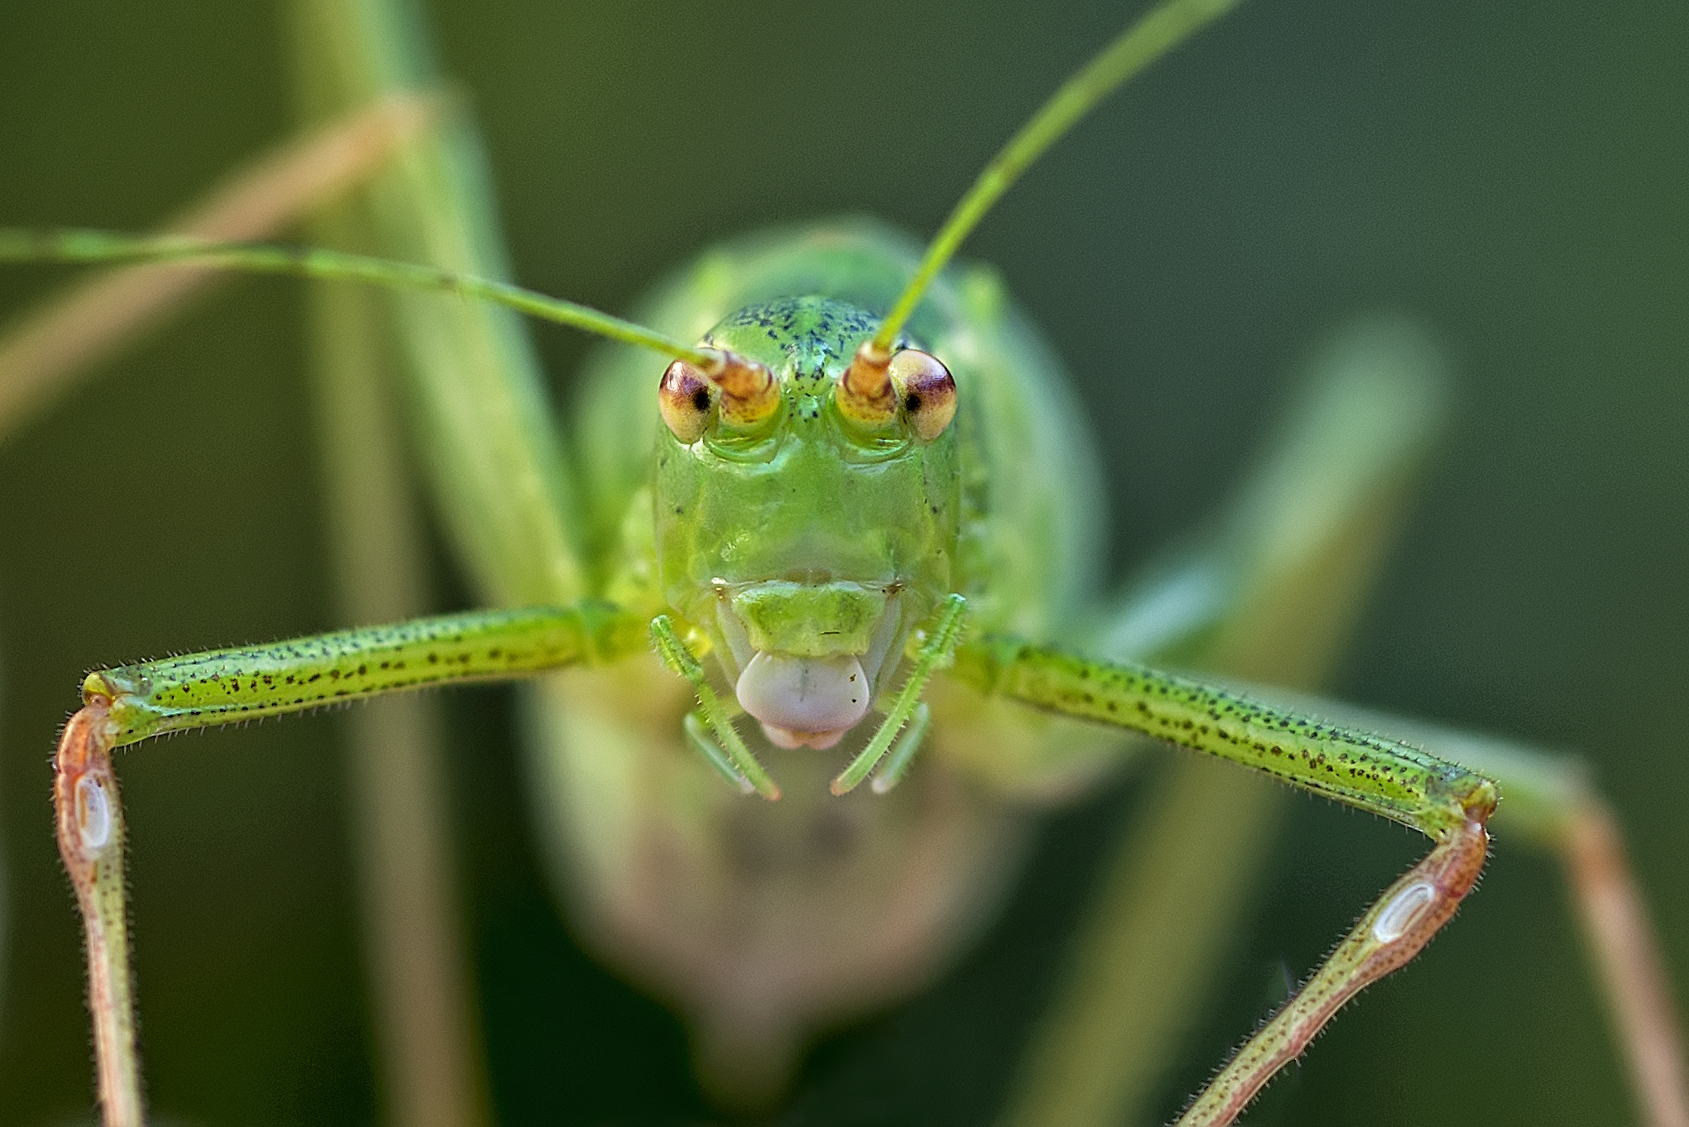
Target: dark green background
(1513, 172)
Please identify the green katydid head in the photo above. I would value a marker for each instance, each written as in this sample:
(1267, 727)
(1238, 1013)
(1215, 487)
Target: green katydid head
(807, 508)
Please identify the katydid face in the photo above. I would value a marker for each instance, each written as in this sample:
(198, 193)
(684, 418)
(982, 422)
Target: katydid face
(807, 543)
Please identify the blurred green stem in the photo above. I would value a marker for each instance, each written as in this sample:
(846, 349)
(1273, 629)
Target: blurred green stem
(413, 944)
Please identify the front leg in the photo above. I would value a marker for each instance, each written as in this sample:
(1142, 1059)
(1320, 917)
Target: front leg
(1446, 802)
(1553, 805)
(131, 703)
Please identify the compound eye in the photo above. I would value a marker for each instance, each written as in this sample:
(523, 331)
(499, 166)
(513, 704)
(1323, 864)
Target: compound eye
(926, 391)
(685, 398)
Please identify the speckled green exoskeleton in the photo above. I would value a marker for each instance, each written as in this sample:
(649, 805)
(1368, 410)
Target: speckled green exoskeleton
(846, 536)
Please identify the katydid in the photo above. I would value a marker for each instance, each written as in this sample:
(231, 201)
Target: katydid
(806, 597)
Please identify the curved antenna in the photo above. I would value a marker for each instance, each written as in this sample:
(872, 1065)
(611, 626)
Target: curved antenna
(78, 245)
(1156, 33)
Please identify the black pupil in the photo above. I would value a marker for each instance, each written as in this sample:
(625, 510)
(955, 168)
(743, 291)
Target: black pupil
(700, 401)
(913, 403)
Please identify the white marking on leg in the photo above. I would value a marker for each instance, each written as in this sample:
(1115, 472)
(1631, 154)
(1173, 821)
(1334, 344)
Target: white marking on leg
(93, 815)
(1403, 910)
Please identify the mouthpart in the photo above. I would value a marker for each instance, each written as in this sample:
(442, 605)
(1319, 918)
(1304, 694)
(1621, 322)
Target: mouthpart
(804, 701)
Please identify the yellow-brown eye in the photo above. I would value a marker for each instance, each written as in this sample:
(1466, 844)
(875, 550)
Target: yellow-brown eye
(685, 398)
(926, 391)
